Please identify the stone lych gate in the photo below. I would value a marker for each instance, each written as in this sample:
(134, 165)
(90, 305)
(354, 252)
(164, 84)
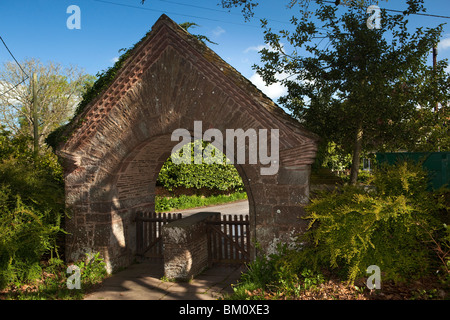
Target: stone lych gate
(117, 145)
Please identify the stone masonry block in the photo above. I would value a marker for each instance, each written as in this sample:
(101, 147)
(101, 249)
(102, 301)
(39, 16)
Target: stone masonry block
(294, 176)
(185, 246)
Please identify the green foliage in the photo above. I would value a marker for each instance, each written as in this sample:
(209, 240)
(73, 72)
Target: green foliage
(388, 226)
(259, 273)
(53, 281)
(279, 274)
(31, 208)
(92, 269)
(202, 38)
(24, 238)
(57, 91)
(212, 176)
(366, 89)
(248, 6)
(395, 224)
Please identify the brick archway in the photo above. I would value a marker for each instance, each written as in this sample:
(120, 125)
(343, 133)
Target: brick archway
(117, 145)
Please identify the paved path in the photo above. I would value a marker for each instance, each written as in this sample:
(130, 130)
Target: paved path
(142, 281)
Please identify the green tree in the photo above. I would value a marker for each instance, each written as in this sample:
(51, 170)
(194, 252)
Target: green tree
(58, 91)
(361, 89)
(366, 89)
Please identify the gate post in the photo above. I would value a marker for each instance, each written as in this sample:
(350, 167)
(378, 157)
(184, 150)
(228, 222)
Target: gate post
(186, 246)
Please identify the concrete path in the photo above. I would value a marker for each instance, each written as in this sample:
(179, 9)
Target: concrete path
(142, 281)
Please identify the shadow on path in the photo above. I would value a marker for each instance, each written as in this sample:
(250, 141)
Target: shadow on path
(142, 281)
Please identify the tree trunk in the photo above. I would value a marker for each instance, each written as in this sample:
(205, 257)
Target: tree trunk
(356, 154)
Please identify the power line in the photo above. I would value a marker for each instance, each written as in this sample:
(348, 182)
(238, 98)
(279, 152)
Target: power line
(173, 13)
(13, 56)
(218, 10)
(23, 71)
(11, 89)
(198, 7)
(420, 14)
(399, 11)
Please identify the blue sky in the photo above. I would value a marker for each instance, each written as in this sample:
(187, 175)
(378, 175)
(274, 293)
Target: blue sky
(38, 29)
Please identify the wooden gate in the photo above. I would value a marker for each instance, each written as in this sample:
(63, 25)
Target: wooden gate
(148, 232)
(228, 239)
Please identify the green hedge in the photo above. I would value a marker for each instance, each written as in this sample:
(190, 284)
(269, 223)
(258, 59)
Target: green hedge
(210, 176)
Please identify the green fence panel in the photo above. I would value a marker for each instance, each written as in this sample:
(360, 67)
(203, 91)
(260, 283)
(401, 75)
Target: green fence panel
(437, 164)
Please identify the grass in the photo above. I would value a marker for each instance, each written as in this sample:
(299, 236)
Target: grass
(182, 202)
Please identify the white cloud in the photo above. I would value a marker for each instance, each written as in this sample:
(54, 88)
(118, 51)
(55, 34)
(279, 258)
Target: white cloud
(114, 60)
(444, 44)
(218, 31)
(274, 91)
(264, 46)
(255, 48)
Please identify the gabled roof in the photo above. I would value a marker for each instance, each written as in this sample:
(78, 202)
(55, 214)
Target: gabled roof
(138, 60)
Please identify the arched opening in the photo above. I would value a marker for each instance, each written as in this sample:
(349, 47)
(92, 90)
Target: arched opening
(115, 148)
(196, 186)
(136, 191)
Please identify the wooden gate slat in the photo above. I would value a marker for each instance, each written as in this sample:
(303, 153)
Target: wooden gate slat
(229, 239)
(234, 234)
(219, 243)
(148, 232)
(228, 236)
(223, 241)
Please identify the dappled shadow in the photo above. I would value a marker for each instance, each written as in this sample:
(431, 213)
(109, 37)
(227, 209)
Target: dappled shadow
(144, 281)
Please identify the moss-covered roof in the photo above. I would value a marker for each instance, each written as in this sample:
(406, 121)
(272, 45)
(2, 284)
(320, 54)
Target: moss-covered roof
(106, 78)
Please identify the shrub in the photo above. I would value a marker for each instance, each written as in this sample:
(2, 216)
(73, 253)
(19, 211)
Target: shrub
(31, 208)
(24, 238)
(92, 270)
(279, 274)
(211, 176)
(353, 228)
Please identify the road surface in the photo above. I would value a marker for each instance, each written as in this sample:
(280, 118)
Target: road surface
(238, 207)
